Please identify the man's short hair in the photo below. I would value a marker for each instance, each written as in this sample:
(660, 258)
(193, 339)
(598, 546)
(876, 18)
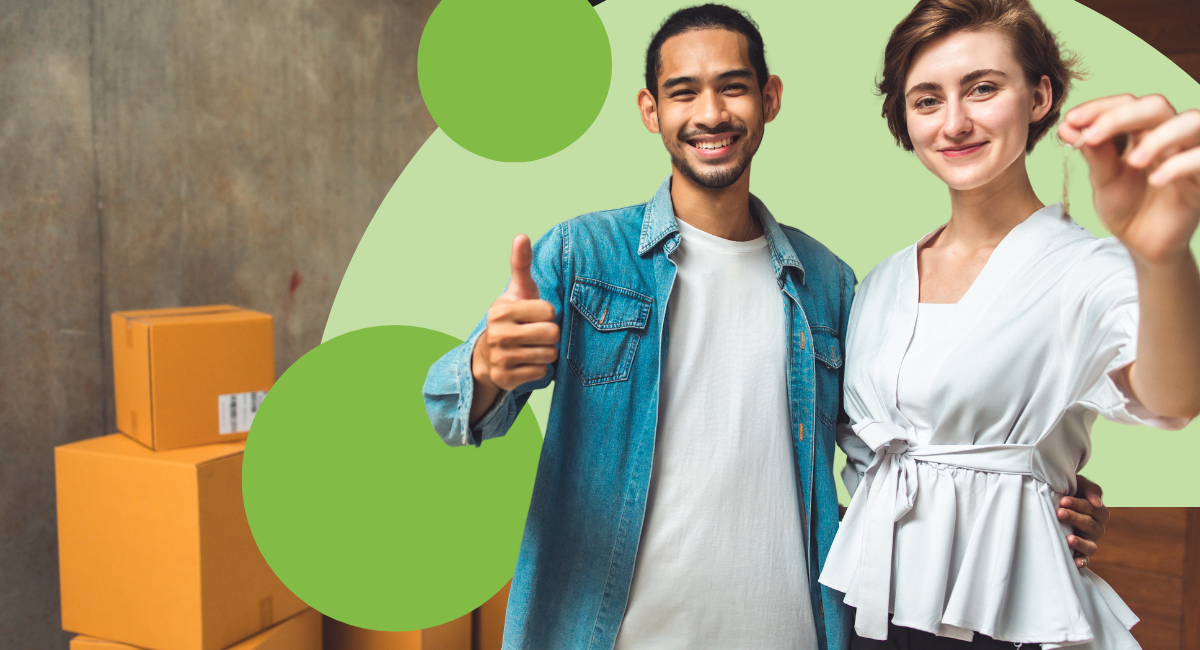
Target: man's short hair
(709, 16)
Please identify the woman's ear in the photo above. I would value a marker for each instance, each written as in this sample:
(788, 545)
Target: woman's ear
(1043, 99)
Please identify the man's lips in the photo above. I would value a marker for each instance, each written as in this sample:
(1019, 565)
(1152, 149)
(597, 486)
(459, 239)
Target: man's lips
(713, 146)
(964, 150)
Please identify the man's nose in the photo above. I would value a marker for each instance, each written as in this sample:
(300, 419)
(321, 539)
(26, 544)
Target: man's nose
(710, 110)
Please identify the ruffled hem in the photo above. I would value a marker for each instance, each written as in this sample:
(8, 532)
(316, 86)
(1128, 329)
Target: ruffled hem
(983, 552)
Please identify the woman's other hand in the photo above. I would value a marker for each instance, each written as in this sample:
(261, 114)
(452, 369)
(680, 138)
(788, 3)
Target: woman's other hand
(1144, 158)
(1087, 514)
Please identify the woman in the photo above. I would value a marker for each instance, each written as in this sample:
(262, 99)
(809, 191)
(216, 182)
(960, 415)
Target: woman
(980, 357)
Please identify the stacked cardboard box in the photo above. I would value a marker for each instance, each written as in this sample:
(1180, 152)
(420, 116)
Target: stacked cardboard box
(154, 548)
(300, 632)
(455, 635)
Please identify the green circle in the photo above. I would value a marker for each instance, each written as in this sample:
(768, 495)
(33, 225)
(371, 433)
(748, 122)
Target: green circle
(514, 81)
(359, 506)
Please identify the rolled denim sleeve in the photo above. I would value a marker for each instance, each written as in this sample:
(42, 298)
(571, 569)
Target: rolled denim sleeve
(858, 454)
(450, 386)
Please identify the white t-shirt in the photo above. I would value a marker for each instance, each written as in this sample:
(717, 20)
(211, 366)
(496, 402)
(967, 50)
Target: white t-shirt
(721, 561)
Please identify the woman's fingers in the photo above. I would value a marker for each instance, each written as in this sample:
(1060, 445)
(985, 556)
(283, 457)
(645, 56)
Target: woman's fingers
(1086, 113)
(1179, 133)
(1107, 119)
(1179, 166)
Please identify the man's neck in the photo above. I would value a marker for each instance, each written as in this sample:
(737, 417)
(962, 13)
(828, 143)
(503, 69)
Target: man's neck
(724, 212)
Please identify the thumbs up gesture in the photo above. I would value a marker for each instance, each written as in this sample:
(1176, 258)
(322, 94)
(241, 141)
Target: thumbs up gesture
(521, 335)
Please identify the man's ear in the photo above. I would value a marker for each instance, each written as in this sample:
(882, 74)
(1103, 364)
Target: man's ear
(649, 110)
(772, 97)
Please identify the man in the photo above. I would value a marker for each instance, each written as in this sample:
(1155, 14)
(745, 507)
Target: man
(684, 497)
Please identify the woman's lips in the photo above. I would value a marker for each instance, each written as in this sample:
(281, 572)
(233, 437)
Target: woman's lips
(959, 153)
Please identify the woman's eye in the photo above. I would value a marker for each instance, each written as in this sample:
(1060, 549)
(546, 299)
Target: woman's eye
(983, 89)
(924, 102)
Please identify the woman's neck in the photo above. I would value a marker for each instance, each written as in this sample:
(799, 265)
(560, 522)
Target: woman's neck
(981, 217)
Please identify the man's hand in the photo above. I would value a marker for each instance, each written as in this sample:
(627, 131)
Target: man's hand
(1087, 514)
(520, 339)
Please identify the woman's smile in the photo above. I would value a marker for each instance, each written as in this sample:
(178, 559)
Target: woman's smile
(963, 150)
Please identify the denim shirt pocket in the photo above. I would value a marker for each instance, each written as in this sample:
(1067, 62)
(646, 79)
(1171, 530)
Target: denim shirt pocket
(827, 350)
(604, 335)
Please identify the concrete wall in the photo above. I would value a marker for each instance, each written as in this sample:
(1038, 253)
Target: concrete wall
(156, 154)
(205, 151)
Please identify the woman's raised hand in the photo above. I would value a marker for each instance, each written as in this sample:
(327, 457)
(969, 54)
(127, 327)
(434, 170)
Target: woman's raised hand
(1147, 192)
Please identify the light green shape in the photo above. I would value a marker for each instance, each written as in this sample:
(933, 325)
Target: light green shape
(514, 81)
(360, 508)
(436, 254)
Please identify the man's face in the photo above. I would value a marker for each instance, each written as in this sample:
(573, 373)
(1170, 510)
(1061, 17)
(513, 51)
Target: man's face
(709, 110)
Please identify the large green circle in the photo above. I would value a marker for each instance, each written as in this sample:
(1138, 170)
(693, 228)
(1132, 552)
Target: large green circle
(514, 81)
(827, 165)
(357, 504)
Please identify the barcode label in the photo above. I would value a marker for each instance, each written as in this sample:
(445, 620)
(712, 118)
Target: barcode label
(236, 411)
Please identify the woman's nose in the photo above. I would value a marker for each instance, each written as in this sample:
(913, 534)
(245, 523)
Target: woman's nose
(958, 120)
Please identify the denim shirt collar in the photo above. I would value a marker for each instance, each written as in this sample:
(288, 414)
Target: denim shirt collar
(659, 224)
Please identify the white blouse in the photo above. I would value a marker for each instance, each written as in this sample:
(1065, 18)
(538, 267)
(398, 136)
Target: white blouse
(953, 528)
(918, 370)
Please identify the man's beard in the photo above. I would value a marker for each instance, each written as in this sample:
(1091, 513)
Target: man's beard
(720, 178)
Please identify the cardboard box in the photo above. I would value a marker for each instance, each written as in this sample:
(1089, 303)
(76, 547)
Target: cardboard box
(154, 548)
(455, 635)
(191, 375)
(300, 632)
(489, 620)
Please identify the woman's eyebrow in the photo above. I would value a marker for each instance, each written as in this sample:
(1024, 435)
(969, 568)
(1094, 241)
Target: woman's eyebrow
(924, 86)
(929, 86)
(972, 76)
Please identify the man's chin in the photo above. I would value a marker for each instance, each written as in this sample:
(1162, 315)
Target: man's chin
(713, 179)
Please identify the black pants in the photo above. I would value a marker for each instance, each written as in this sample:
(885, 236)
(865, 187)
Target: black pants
(903, 638)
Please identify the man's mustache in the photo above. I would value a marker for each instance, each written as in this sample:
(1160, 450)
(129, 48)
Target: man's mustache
(740, 130)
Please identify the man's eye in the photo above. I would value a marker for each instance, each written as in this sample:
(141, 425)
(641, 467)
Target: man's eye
(735, 87)
(680, 93)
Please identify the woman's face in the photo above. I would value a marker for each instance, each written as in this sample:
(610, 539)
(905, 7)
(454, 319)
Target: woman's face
(969, 108)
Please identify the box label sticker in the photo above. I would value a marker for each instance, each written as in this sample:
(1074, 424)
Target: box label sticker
(236, 411)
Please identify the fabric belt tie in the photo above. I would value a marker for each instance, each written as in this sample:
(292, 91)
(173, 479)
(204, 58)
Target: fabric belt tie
(893, 493)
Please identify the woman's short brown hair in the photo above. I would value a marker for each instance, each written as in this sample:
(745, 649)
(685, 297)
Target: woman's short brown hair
(1034, 46)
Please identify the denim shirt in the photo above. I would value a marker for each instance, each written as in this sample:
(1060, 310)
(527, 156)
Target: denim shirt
(609, 276)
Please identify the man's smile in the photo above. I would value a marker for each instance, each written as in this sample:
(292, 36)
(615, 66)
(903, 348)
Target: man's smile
(713, 146)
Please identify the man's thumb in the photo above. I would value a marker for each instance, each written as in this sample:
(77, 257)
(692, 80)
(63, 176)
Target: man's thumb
(522, 286)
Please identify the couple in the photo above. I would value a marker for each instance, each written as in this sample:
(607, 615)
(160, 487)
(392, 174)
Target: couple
(685, 495)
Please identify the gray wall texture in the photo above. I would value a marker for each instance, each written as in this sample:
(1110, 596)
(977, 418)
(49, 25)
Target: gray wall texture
(155, 154)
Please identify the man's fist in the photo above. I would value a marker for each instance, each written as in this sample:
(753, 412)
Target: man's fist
(521, 335)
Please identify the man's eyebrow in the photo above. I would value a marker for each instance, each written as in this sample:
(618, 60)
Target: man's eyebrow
(736, 73)
(676, 81)
(929, 86)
